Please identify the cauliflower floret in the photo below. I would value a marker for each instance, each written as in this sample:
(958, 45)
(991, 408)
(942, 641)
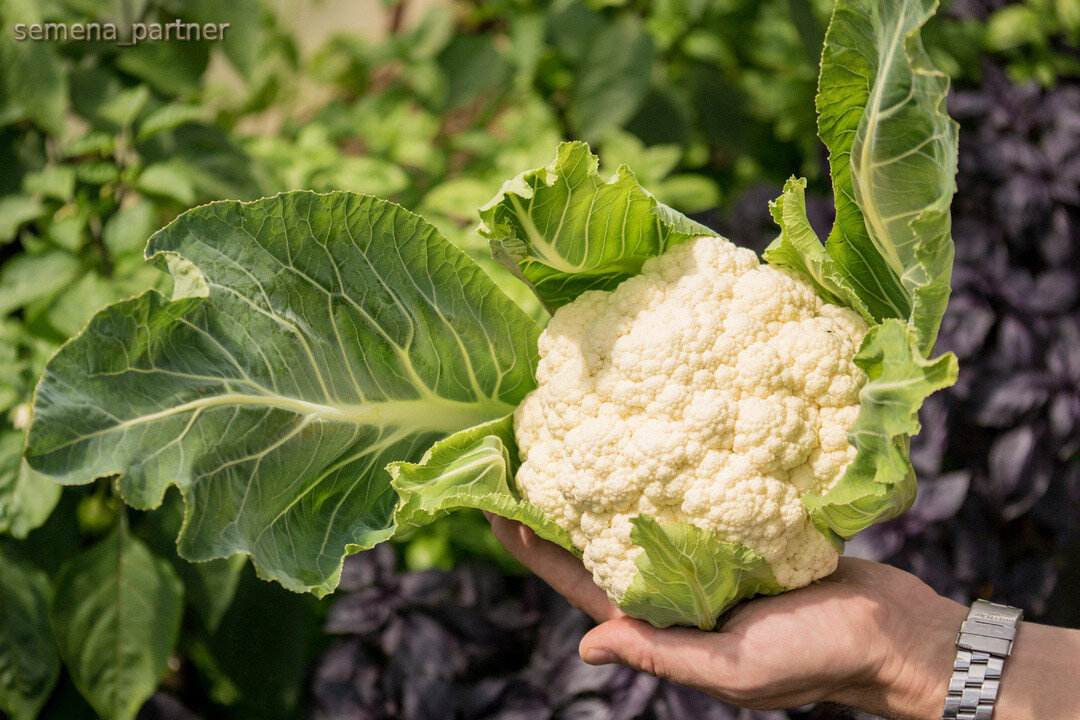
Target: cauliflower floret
(710, 389)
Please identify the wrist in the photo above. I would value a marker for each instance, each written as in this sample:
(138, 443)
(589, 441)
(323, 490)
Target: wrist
(915, 652)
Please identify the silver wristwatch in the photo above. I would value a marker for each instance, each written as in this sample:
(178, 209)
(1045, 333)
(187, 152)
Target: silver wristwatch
(984, 641)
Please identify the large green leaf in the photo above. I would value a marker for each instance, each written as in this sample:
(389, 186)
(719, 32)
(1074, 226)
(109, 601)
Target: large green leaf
(116, 612)
(892, 149)
(29, 664)
(879, 484)
(565, 230)
(687, 575)
(473, 468)
(315, 339)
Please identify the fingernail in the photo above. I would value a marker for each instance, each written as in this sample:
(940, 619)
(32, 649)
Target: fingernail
(488, 515)
(528, 537)
(599, 656)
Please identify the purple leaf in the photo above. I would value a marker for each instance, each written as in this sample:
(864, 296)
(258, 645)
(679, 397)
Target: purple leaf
(1001, 403)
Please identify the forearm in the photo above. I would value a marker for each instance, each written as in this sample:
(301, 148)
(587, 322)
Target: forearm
(1041, 679)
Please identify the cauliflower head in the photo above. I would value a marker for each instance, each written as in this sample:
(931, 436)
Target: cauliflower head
(710, 389)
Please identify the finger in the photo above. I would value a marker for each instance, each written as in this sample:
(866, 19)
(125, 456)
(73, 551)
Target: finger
(557, 567)
(682, 655)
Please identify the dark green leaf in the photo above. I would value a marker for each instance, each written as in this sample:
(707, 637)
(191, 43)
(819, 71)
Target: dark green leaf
(612, 78)
(116, 612)
(209, 587)
(262, 650)
(34, 83)
(171, 68)
(29, 665)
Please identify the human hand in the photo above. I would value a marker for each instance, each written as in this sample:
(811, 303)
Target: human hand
(868, 635)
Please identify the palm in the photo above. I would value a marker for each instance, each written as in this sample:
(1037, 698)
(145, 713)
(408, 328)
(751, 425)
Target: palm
(792, 649)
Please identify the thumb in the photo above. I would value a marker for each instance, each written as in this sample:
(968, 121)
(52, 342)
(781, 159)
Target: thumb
(682, 655)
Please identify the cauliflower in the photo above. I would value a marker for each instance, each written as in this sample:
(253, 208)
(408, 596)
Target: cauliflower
(711, 389)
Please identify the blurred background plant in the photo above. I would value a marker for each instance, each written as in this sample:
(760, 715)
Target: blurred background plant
(433, 105)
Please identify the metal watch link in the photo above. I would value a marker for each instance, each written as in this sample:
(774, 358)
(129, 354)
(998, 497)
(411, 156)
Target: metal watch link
(984, 641)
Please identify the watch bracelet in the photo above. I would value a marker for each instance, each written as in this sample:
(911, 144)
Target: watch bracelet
(984, 641)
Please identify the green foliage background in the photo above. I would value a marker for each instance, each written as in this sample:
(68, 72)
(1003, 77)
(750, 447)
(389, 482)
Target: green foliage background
(100, 146)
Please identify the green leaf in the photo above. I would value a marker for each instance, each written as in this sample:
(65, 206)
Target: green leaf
(892, 150)
(612, 78)
(127, 229)
(167, 179)
(168, 117)
(116, 612)
(319, 338)
(209, 587)
(26, 497)
(73, 307)
(473, 69)
(29, 664)
(34, 83)
(880, 482)
(688, 575)
(16, 211)
(242, 40)
(210, 161)
(799, 248)
(27, 278)
(98, 173)
(171, 68)
(260, 655)
(56, 182)
(473, 468)
(123, 108)
(565, 230)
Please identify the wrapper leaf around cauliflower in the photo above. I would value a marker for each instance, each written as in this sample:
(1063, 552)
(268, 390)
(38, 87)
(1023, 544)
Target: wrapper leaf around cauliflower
(710, 389)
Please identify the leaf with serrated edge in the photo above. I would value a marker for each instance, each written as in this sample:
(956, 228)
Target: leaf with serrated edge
(879, 484)
(687, 575)
(892, 150)
(116, 612)
(29, 664)
(565, 230)
(473, 468)
(325, 336)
